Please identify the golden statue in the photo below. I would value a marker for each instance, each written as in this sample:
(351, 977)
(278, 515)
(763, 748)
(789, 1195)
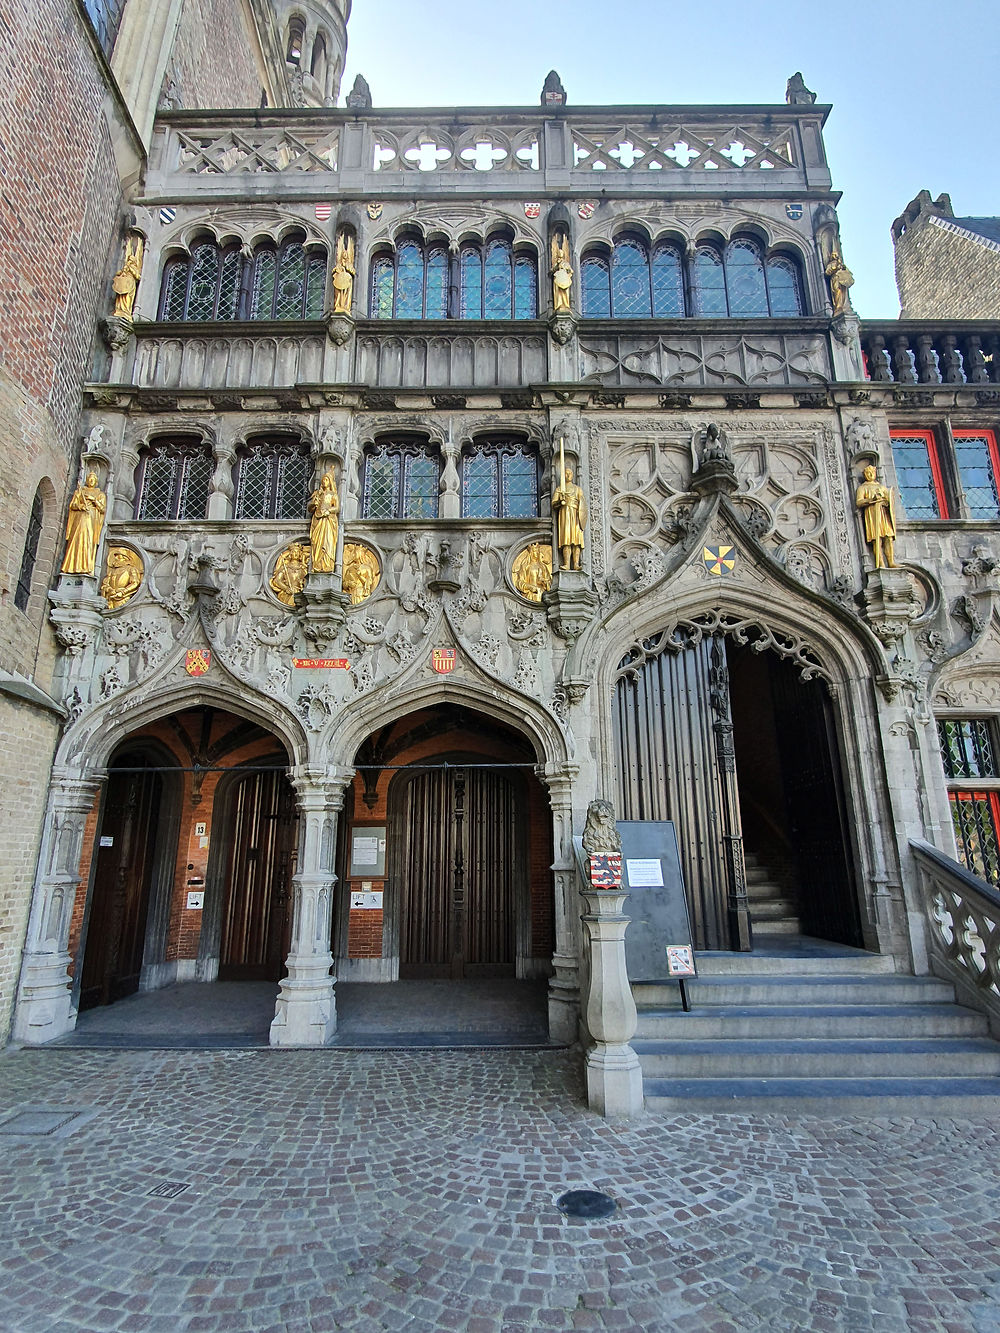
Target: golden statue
(841, 280)
(343, 275)
(876, 502)
(362, 572)
(126, 281)
(124, 576)
(531, 572)
(562, 272)
(83, 527)
(324, 506)
(290, 570)
(569, 508)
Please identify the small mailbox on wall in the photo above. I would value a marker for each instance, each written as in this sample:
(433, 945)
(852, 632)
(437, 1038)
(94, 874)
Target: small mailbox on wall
(368, 852)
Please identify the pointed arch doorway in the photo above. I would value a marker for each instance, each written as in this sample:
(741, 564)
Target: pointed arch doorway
(726, 739)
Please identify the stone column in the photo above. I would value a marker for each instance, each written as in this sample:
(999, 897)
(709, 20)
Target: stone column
(306, 1011)
(564, 985)
(614, 1076)
(44, 1006)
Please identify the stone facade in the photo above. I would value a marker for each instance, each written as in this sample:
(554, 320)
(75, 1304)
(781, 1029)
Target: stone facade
(946, 267)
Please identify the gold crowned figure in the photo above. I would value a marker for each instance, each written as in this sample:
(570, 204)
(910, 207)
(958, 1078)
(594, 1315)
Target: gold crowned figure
(126, 281)
(841, 280)
(876, 503)
(343, 275)
(562, 272)
(83, 527)
(124, 576)
(532, 571)
(324, 507)
(569, 508)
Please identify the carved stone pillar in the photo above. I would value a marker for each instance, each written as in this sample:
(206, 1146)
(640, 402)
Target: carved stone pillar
(451, 499)
(614, 1075)
(564, 985)
(306, 1011)
(323, 608)
(44, 1006)
(75, 612)
(220, 497)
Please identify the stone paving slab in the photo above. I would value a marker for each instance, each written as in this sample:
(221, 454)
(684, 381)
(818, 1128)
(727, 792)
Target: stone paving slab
(379, 1191)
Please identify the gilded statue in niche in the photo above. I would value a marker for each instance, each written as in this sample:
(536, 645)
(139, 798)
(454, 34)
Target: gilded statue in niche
(290, 571)
(324, 508)
(124, 576)
(531, 572)
(362, 572)
(569, 509)
(562, 272)
(125, 283)
(83, 527)
(343, 275)
(841, 280)
(875, 501)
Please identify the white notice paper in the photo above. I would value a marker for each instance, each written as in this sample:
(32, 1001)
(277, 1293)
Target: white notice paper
(365, 851)
(644, 874)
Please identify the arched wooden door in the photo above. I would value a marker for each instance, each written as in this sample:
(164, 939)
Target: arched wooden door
(458, 858)
(123, 872)
(256, 916)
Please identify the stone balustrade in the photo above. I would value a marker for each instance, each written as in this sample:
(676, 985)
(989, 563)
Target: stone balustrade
(929, 351)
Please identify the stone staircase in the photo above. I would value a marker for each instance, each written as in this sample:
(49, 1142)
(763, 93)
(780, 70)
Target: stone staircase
(772, 910)
(804, 1025)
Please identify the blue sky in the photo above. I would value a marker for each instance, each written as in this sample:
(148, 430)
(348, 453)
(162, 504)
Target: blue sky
(912, 83)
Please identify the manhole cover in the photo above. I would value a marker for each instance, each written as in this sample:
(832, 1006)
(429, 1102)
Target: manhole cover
(586, 1203)
(38, 1121)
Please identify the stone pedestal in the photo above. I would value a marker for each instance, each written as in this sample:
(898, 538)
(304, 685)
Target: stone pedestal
(570, 604)
(614, 1076)
(75, 611)
(323, 607)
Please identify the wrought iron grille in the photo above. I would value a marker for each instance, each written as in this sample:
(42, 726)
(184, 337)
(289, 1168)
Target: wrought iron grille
(401, 481)
(272, 479)
(977, 818)
(967, 747)
(500, 480)
(174, 481)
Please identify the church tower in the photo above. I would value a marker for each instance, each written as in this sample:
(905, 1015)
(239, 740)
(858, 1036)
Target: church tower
(313, 34)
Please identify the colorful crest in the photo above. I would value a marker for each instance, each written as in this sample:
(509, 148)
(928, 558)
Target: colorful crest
(443, 660)
(323, 212)
(794, 212)
(374, 211)
(587, 209)
(532, 210)
(606, 871)
(197, 661)
(718, 559)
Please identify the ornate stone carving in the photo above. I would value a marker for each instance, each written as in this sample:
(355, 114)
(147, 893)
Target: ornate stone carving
(531, 572)
(123, 578)
(290, 571)
(362, 572)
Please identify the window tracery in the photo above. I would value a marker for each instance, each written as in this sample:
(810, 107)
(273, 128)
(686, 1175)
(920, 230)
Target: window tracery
(277, 281)
(401, 480)
(493, 281)
(500, 479)
(174, 478)
(273, 475)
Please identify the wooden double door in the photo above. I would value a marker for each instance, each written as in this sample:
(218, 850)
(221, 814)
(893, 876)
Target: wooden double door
(458, 859)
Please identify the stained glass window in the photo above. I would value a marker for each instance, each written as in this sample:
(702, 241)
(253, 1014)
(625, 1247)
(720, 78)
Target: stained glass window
(976, 816)
(630, 290)
(436, 299)
(500, 480)
(745, 280)
(498, 293)
(978, 466)
(106, 16)
(22, 593)
(918, 474)
(471, 292)
(414, 283)
(784, 286)
(525, 287)
(204, 281)
(708, 284)
(595, 287)
(383, 280)
(410, 281)
(272, 479)
(281, 283)
(174, 480)
(668, 282)
(401, 480)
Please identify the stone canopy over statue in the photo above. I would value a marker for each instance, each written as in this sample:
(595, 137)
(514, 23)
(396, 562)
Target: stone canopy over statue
(569, 510)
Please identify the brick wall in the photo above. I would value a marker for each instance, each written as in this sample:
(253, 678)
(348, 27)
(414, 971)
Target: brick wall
(212, 62)
(944, 275)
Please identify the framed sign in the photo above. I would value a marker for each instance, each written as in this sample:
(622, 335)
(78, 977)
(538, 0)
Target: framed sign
(368, 852)
(659, 942)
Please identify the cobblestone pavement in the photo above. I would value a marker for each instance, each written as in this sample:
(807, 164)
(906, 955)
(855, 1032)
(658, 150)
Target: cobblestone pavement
(396, 1190)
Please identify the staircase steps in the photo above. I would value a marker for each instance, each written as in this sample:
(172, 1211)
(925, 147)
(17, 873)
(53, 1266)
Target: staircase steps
(801, 1025)
(772, 911)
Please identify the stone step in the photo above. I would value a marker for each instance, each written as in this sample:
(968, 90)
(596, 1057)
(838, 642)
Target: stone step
(782, 963)
(865, 1057)
(787, 926)
(828, 1096)
(816, 1021)
(762, 908)
(707, 990)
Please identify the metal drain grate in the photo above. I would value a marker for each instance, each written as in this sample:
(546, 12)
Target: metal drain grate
(167, 1191)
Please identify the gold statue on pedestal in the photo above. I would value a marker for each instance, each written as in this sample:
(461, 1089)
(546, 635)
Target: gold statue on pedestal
(126, 281)
(362, 572)
(343, 275)
(531, 572)
(841, 280)
(290, 571)
(876, 503)
(324, 507)
(83, 527)
(569, 509)
(561, 271)
(124, 576)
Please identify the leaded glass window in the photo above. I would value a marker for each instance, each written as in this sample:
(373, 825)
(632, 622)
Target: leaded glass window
(967, 747)
(976, 816)
(410, 282)
(22, 593)
(708, 284)
(221, 284)
(174, 479)
(525, 287)
(668, 282)
(272, 479)
(106, 16)
(745, 283)
(595, 287)
(401, 480)
(918, 474)
(630, 290)
(493, 283)
(784, 286)
(500, 480)
(206, 286)
(436, 284)
(471, 290)
(978, 465)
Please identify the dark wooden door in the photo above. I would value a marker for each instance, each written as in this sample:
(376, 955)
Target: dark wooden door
(256, 918)
(458, 848)
(124, 860)
(817, 813)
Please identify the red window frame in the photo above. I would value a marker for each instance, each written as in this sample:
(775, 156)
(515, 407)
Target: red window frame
(991, 445)
(990, 797)
(937, 476)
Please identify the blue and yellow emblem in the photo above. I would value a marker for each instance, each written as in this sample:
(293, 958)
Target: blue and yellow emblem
(718, 559)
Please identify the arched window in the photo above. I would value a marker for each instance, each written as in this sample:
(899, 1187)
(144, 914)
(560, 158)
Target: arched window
(411, 283)
(784, 286)
(317, 66)
(296, 40)
(273, 476)
(631, 284)
(494, 282)
(668, 281)
(595, 287)
(708, 284)
(22, 593)
(500, 480)
(278, 282)
(630, 289)
(173, 479)
(744, 286)
(401, 480)
(745, 283)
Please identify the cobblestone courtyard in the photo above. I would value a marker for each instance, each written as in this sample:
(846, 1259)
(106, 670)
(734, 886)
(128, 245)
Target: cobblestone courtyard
(396, 1190)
